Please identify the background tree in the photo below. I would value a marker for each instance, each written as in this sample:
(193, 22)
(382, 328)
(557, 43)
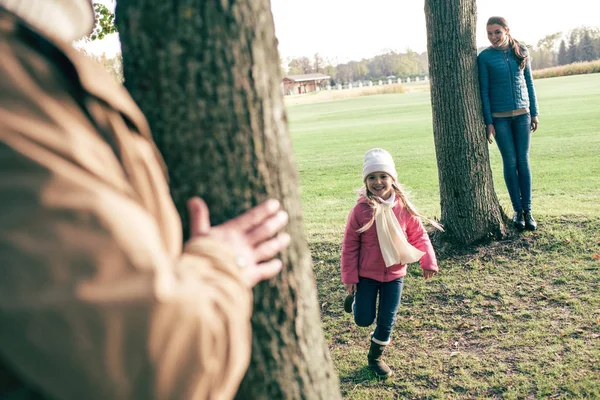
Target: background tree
(330, 70)
(305, 65)
(545, 55)
(104, 24)
(408, 64)
(586, 48)
(401, 65)
(282, 69)
(299, 66)
(562, 53)
(572, 49)
(470, 208)
(294, 67)
(359, 69)
(318, 63)
(385, 64)
(344, 74)
(206, 75)
(423, 63)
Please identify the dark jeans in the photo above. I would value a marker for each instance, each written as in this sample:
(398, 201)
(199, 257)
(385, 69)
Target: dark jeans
(513, 135)
(365, 306)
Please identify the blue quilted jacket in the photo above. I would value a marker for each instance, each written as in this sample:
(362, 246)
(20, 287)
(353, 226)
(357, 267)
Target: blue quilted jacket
(503, 86)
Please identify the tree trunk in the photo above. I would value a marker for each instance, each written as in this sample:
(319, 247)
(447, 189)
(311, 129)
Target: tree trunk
(470, 210)
(206, 75)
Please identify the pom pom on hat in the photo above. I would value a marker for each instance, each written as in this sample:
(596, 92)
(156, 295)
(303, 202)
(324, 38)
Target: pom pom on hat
(379, 160)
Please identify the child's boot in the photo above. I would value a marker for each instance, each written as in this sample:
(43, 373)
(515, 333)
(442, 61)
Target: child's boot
(376, 363)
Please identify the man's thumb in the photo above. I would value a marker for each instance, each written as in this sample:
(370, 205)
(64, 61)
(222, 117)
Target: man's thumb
(199, 220)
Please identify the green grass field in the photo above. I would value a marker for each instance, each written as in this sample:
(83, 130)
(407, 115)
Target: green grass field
(516, 319)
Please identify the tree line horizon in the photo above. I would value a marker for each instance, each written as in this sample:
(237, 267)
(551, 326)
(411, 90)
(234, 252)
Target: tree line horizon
(579, 45)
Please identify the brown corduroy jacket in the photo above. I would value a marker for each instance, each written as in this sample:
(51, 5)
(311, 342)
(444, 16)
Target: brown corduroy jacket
(98, 297)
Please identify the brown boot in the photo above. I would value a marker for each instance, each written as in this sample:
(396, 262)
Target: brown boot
(376, 363)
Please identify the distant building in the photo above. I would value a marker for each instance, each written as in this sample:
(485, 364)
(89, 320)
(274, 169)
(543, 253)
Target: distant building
(300, 84)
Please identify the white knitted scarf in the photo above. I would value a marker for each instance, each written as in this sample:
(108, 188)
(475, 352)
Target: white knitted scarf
(67, 20)
(392, 240)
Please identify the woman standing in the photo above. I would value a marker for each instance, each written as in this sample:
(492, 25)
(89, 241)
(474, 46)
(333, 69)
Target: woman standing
(510, 112)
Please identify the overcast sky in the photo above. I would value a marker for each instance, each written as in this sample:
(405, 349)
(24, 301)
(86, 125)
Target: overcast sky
(345, 30)
(353, 29)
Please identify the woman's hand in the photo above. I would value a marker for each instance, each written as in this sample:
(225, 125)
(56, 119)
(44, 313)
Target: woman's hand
(350, 287)
(534, 123)
(491, 133)
(255, 237)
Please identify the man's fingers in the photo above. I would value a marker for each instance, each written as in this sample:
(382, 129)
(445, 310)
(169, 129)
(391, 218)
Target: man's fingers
(255, 216)
(271, 247)
(268, 227)
(264, 271)
(199, 220)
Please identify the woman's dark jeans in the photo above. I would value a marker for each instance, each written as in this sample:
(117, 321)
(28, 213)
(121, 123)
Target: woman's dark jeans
(513, 135)
(365, 306)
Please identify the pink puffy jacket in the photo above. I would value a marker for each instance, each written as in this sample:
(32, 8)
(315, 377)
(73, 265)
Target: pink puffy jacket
(361, 256)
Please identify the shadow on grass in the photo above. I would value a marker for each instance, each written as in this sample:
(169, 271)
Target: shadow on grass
(359, 376)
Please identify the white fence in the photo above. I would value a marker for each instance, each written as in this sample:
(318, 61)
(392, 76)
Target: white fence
(361, 84)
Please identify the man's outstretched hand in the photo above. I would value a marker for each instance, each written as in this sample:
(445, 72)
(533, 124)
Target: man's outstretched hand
(255, 236)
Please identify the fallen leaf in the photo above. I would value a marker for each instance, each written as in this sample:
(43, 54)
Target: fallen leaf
(575, 262)
(463, 325)
(544, 266)
(454, 353)
(596, 256)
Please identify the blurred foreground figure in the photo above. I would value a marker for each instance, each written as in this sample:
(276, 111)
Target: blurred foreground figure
(99, 297)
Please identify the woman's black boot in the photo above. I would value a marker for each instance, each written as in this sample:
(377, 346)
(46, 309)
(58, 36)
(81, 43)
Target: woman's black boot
(530, 223)
(519, 220)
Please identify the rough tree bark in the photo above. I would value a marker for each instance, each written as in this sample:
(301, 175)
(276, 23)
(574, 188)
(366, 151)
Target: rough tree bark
(470, 210)
(206, 75)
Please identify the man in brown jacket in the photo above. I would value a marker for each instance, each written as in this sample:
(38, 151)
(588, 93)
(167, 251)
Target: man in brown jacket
(99, 298)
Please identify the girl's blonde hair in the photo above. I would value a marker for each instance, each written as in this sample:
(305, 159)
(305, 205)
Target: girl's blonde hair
(402, 197)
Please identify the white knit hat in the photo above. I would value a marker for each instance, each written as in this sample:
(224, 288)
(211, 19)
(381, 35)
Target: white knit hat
(379, 160)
